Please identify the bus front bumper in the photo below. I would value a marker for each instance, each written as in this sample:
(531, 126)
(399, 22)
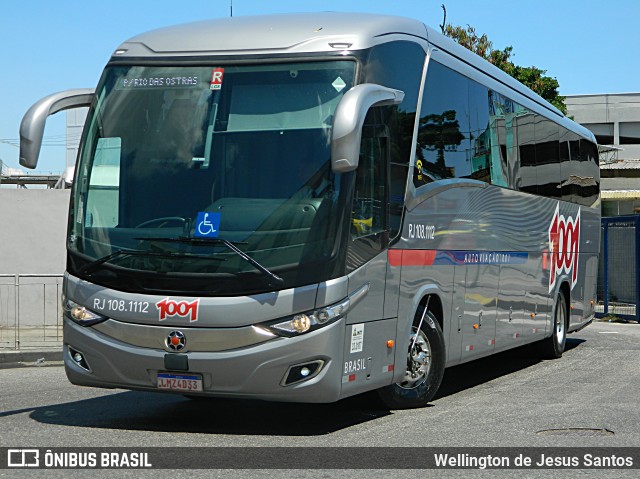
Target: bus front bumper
(259, 371)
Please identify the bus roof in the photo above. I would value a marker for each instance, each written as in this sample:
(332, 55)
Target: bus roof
(284, 33)
(311, 33)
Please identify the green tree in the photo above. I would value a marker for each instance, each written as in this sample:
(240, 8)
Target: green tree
(533, 77)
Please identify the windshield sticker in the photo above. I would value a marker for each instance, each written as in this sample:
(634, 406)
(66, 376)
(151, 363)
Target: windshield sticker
(207, 225)
(158, 82)
(339, 84)
(419, 169)
(216, 78)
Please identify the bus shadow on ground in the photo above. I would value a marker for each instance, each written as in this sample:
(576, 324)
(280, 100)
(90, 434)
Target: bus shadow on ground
(469, 375)
(132, 410)
(144, 411)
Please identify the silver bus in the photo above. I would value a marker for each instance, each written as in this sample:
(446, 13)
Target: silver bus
(307, 207)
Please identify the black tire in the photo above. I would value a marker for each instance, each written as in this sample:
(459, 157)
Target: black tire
(425, 366)
(553, 346)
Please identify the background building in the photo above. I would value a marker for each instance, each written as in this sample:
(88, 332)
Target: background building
(615, 121)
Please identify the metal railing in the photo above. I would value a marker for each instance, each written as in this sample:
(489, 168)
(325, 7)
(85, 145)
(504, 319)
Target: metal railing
(30, 311)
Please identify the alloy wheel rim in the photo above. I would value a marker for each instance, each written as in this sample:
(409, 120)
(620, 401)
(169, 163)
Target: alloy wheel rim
(419, 359)
(560, 323)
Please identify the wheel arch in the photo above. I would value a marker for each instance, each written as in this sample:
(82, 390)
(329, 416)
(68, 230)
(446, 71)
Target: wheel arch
(434, 306)
(402, 394)
(427, 294)
(432, 296)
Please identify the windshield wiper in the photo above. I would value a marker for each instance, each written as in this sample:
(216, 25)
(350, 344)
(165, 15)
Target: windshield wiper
(273, 279)
(91, 267)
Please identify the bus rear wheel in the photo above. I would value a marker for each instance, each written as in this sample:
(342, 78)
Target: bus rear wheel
(553, 347)
(425, 366)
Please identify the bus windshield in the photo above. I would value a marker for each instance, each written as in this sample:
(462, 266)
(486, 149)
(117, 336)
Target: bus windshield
(242, 152)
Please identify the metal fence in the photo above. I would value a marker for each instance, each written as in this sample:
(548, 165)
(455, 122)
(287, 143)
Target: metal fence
(619, 275)
(30, 311)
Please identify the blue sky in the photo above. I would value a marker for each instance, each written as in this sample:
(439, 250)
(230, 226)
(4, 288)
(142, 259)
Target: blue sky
(47, 46)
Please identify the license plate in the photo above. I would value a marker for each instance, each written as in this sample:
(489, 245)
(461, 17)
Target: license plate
(179, 382)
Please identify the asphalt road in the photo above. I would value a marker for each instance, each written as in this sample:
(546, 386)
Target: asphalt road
(588, 398)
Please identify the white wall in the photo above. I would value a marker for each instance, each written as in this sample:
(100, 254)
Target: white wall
(33, 227)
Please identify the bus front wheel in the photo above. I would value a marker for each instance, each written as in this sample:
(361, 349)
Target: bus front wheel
(425, 366)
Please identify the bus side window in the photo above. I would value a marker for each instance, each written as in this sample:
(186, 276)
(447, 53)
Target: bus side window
(443, 141)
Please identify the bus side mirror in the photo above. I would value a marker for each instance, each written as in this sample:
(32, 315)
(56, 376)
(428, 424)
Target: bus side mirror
(349, 118)
(33, 122)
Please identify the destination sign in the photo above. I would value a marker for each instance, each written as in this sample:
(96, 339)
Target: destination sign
(159, 82)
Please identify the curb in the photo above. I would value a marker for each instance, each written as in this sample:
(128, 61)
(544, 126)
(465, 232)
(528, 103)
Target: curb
(21, 359)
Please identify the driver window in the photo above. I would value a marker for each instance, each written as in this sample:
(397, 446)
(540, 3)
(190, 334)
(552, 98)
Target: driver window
(369, 216)
(369, 194)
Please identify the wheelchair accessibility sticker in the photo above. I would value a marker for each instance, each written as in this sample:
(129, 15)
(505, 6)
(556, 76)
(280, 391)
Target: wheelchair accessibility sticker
(207, 225)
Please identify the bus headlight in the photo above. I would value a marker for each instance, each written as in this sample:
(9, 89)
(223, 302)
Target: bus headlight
(301, 323)
(80, 314)
(310, 321)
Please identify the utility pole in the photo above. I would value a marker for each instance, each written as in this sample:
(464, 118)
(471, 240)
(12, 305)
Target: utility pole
(231, 7)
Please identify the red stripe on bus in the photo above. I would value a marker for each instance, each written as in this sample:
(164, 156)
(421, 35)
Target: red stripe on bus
(411, 257)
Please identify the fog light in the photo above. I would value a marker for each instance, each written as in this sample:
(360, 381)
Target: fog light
(302, 372)
(79, 359)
